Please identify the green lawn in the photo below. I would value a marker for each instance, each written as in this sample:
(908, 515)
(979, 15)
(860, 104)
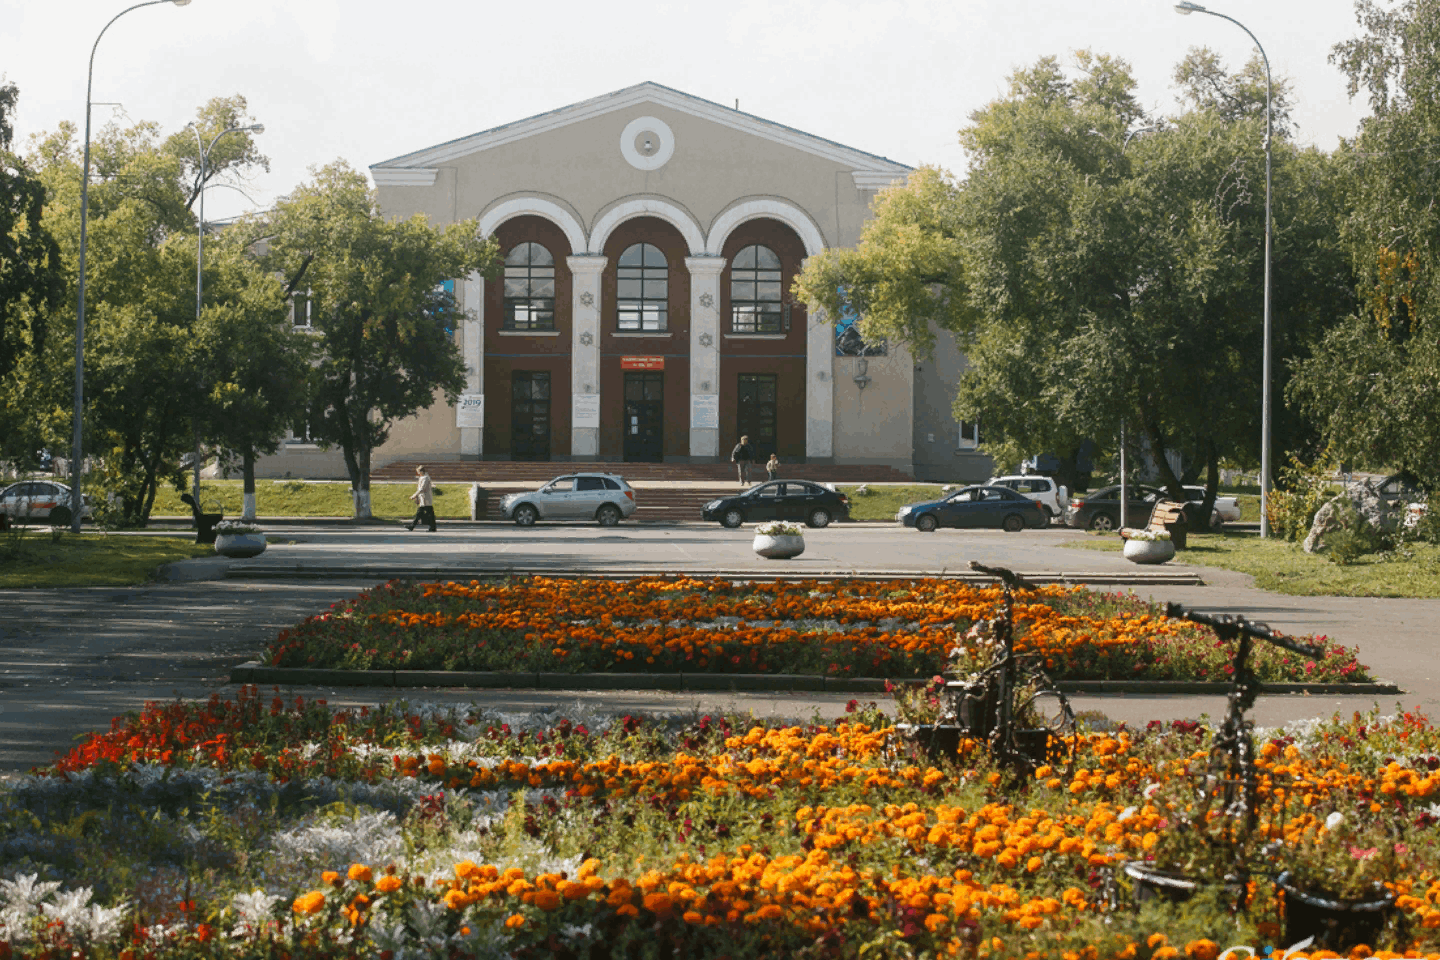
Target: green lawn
(1283, 567)
(30, 557)
(313, 498)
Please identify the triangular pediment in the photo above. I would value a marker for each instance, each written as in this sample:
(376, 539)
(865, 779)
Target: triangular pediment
(416, 168)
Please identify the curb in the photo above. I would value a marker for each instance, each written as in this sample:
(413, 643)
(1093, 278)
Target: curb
(253, 672)
(376, 573)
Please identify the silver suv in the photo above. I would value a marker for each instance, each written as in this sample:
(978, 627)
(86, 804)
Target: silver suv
(1051, 495)
(602, 497)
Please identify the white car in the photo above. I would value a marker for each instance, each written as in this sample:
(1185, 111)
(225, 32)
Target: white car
(35, 501)
(602, 497)
(1051, 495)
(1227, 509)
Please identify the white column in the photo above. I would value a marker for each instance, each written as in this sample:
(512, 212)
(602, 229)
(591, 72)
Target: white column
(585, 356)
(705, 354)
(819, 386)
(472, 439)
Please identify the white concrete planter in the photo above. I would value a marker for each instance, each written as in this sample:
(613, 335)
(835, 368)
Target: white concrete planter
(781, 547)
(240, 545)
(1149, 551)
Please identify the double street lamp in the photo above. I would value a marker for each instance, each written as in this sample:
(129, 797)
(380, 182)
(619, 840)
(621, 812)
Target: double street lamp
(1186, 7)
(200, 248)
(77, 452)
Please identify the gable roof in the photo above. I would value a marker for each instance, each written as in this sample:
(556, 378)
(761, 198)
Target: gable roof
(419, 167)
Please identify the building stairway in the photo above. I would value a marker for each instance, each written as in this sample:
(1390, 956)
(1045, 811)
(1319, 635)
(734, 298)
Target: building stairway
(664, 492)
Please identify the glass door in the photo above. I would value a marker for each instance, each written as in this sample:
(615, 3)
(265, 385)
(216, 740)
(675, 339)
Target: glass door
(644, 417)
(530, 415)
(757, 414)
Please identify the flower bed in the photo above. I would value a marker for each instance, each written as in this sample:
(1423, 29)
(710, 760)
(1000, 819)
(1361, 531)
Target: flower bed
(898, 629)
(253, 828)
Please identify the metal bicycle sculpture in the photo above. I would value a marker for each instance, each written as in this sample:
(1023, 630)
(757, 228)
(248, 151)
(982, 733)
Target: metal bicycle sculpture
(992, 703)
(1231, 775)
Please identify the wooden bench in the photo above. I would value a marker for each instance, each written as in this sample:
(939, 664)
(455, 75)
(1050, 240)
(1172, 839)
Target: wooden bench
(1168, 516)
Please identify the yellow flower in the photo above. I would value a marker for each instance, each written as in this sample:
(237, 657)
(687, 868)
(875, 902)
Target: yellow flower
(309, 902)
(360, 873)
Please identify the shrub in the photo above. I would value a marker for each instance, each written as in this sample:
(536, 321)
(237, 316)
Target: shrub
(1355, 538)
(1302, 491)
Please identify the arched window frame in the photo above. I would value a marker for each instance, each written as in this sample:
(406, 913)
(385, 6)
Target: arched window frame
(757, 291)
(529, 288)
(642, 290)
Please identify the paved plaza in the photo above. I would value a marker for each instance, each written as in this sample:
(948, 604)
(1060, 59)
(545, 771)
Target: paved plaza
(70, 660)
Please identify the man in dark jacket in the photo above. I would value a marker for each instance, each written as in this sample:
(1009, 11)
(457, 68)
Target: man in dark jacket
(742, 456)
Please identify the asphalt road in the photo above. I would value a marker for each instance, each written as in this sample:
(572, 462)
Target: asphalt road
(70, 660)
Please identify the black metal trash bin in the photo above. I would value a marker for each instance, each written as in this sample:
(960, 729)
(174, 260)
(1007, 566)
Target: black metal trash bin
(205, 526)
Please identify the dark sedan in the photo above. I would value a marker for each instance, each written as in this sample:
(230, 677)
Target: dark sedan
(996, 508)
(1101, 510)
(798, 501)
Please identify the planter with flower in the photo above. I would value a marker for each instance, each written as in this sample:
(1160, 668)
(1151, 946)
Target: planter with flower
(779, 541)
(237, 539)
(1335, 879)
(1148, 546)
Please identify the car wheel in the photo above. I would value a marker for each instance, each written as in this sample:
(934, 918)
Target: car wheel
(60, 516)
(608, 515)
(526, 515)
(1013, 523)
(1102, 523)
(926, 523)
(732, 518)
(819, 518)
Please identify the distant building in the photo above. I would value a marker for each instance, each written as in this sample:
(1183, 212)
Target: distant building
(650, 240)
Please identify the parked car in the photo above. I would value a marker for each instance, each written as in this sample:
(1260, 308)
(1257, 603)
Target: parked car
(977, 507)
(794, 500)
(1227, 509)
(41, 501)
(602, 497)
(1041, 489)
(1101, 510)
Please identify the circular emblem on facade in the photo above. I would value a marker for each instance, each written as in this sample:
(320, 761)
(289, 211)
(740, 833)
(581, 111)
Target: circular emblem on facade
(647, 143)
(707, 300)
(706, 340)
(587, 338)
(587, 299)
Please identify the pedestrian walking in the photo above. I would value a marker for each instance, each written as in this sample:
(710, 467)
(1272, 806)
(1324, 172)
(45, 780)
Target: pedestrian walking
(742, 456)
(424, 497)
(772, 467)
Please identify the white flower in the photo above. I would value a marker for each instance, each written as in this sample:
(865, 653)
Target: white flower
(1151, 790)
(1334, 820)
(254, 907)
(1126, 814)
(23, 891)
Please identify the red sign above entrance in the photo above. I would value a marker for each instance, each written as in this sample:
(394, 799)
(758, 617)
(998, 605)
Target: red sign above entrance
(642, 363)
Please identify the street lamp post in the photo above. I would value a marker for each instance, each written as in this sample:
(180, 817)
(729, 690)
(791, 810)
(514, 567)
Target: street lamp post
(77, 452)
(1186, 7)
(200, 250)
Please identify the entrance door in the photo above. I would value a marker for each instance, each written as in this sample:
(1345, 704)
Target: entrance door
(644, 417)
(757, 413)
(530, 415)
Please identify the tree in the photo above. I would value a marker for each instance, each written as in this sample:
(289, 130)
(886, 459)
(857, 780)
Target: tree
(1374, 384)
(32, 282)
(144, 376)
(380, 309)
(1093, 276)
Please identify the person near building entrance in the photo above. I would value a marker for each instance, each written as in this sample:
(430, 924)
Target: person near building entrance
(742, 456)
(424, 497)
(772, 467)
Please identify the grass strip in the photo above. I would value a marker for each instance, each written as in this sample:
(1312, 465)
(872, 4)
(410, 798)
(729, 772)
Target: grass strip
(32, 557)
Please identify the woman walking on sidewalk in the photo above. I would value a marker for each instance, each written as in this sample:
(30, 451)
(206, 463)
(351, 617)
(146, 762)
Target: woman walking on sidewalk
(424, 497)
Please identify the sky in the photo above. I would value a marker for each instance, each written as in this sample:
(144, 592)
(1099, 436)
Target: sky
(366, 81)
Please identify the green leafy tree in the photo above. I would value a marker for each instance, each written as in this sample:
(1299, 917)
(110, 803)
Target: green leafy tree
(384, 352)
(32, 282)
(1374, 384)
(144, 366)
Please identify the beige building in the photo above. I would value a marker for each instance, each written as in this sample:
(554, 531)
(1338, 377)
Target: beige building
(650, 241)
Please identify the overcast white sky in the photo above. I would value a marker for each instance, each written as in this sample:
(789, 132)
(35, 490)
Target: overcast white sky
(366, 81)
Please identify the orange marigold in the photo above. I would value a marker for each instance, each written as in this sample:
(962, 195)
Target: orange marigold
(309, 902)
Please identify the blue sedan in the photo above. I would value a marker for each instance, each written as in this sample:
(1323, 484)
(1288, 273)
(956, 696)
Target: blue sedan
(995, 508)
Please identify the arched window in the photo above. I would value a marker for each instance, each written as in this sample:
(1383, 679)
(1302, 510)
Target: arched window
(642, 290)
(755, 291)
(529, 288)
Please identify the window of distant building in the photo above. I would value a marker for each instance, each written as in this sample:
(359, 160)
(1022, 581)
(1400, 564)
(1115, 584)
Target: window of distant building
(642, 292)
(529, 288)
(755, 291)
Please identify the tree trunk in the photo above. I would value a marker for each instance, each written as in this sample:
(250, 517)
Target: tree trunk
(362, 490)
(1168, 480)
(248, 469)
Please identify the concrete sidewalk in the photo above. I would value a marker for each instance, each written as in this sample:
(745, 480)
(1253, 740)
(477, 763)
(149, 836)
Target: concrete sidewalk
(70, 660)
